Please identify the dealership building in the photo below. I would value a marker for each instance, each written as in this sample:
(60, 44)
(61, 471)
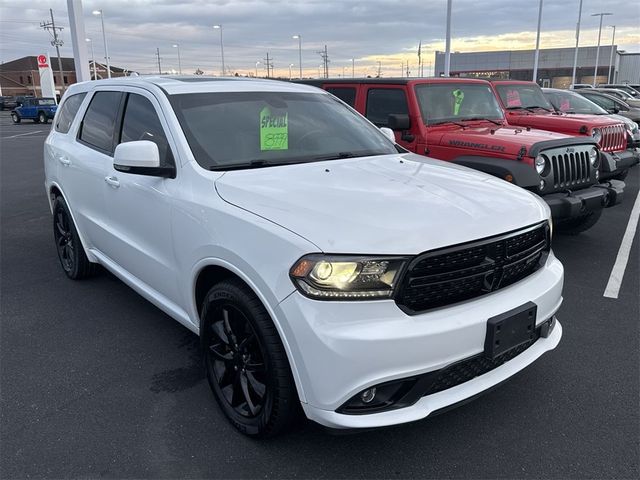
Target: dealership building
(555, 65)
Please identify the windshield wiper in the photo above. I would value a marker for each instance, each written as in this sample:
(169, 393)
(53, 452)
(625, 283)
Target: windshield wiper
(341, 155)
(495, 122)
(449, 121)
(251, 164)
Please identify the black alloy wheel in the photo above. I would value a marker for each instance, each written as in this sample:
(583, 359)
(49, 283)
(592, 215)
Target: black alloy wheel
(70, 250)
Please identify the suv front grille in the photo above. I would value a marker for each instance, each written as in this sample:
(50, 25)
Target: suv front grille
(450, 275)
(614, 138)
(570, 169)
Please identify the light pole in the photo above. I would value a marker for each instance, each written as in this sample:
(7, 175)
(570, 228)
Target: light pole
(177, 45)
(219, 27)
(537, 54)
(104, 39)
(353, 68)
(595, 72)
(93, 61)
(613, 41)
(299, 38)
(575, 55)
(447, 47)
(290, 65)
(257, 63)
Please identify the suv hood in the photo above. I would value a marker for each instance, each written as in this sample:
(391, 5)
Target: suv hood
(503, 140)
(391, 204)
(562, 122)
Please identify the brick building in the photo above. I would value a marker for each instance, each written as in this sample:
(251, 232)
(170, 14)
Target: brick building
(21, 76)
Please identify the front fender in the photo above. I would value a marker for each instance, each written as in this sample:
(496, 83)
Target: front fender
(524, 175)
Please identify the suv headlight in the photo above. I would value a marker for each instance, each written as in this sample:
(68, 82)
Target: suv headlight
(345, 277)
(596, 134)
(541, 164)
(593, 156)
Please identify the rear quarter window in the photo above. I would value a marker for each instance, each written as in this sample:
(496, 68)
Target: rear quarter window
(382, 102)
(346, 94)
(68, 112)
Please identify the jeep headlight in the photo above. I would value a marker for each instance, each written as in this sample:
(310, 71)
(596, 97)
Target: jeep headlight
(593, 156)
(596, 134)
(541, 164)
(344, 277)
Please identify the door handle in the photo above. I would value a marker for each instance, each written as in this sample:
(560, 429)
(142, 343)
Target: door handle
(64, 160)
(113, 181)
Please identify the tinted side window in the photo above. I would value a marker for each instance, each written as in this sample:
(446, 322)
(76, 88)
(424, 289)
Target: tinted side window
(346, 94)
(68, 112)
(381, 102)
(99, 122)
(141, 122)
(602, 101)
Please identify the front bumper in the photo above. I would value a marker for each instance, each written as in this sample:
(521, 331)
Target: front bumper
(573, 203)
(616, 163)
(341, 348)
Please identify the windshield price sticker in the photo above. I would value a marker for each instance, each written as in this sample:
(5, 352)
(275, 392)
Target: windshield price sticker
(458, 96)
(513, 99)
(274, 130)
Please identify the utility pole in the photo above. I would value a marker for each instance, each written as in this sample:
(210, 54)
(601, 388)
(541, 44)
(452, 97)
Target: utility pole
(325, 61)
(595, 73)
(613, 42)
(56, 42)
(379, 69)
(353, 68)
(402, 69)
(447, 48)
(537, 54)
(575, 54)
(158, 55)
(268, 62)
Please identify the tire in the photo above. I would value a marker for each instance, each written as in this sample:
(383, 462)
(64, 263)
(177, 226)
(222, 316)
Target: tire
(15, 118)
(622, 175)
(245, 362)
(582, 223)
(71, 254)
(42, 118)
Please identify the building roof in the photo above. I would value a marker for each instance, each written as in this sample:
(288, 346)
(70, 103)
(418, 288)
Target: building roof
(31, 63)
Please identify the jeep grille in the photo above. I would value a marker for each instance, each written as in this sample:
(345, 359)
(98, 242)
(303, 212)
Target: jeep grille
(614, 138)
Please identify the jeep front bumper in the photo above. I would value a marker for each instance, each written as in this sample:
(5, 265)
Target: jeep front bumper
(616, 163)
(573, 203)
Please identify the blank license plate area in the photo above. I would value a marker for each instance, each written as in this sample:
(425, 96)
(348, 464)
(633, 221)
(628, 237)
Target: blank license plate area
(510, 330)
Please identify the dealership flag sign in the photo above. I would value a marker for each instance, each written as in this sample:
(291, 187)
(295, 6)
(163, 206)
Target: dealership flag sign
(46, 77)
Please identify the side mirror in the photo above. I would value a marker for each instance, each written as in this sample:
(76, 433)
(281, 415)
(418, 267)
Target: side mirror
(399, 121)
(388, 133)
(616, 109)
(141, 158)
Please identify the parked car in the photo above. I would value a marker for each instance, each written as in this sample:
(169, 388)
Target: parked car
(612, 104)
(620, 95)
(322, 265)
(578, 86)
(572, 103)
(622, 86)
(526, 106)
(460, 120)
(7, 102)
(40, 110)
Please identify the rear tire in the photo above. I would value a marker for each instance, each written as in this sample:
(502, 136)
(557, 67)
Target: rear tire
(582, 223)
(42, 118)
(15, 118)
(71, 254)
(245, 361)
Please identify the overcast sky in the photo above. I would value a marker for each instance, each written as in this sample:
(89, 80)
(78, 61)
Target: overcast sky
(388, 31)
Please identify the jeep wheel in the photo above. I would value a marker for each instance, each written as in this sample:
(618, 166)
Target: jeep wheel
(70, 251)
(42, 118)
(574, 226)
(15, 118)
(245, 361)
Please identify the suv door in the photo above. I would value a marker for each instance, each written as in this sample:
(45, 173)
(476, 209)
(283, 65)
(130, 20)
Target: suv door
(140, 206)
(382, 101)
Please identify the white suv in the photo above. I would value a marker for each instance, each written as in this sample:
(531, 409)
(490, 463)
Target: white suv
(321, 265)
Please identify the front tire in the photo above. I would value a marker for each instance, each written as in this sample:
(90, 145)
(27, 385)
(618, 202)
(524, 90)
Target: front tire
(15, 118)
(71, 254)
(42, 118)
(582, 223)
(245, 361)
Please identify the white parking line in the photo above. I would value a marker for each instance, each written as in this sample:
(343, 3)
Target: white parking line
(22, 134)
(615, 279)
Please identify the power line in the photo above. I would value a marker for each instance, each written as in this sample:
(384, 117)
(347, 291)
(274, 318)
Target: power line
(325, 61)
(269, 64)
(56, 42)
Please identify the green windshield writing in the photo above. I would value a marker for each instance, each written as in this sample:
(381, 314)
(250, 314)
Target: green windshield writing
(274, 130)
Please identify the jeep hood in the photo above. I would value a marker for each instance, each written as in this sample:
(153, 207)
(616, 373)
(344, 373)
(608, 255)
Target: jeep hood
(391, 204)
(504, 140)
(566, 123)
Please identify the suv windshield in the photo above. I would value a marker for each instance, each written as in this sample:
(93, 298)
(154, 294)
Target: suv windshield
(262, 129)
(522, 96)
(568, 102)
(46, 101)
(454, 102)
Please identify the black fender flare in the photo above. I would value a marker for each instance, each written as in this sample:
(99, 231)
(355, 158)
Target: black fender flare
(523, 175)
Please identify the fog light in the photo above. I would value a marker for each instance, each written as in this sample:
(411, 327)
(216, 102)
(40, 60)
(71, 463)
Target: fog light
(368, 395)
(542, 184)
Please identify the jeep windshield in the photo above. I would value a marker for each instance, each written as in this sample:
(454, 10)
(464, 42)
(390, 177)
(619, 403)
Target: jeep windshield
(456, 102)
(236, 130)
(569, 102)
(523, 97)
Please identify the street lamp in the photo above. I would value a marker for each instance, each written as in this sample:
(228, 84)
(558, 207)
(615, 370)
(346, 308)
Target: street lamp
(353, 68)
(537, 54)
(595, 72)
(575, 54)
(257, 63)
(219, 27)
(100, 13)
(447, 43)
(290, 65)
(93, 61)
(299, 38)
(177, 45)
(613, 41)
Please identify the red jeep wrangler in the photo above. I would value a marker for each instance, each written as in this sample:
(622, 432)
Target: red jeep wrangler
(526, 105)
(460, 120)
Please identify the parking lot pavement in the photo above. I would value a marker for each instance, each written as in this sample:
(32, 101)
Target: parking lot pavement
(97, 382)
